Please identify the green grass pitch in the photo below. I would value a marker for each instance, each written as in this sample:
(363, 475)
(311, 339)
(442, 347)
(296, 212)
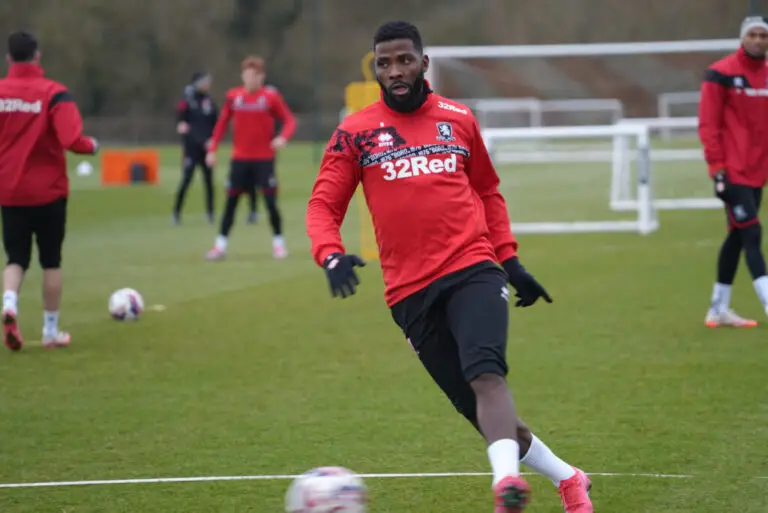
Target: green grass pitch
(252, 369)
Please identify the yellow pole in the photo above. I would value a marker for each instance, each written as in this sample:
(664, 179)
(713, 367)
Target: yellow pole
(367, 67)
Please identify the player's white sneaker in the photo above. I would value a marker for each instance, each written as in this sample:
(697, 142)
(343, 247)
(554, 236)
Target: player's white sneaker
(279, 250)
(215, 254)
(727, 318)
(60, 339)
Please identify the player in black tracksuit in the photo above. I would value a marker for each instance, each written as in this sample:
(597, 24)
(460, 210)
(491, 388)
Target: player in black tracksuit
(196, 116)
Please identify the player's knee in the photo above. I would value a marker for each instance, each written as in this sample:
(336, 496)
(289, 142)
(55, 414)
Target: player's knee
(751, 235)
(22, 260)
(487, 378)
(50, 259)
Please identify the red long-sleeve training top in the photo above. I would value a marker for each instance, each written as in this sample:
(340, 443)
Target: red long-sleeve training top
(733, 118)
(255, 114)
(430, 187)
(39, 120)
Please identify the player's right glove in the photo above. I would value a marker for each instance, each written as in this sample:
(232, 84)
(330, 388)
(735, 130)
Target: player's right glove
(721, 184)
(340, 270)
(528, 289)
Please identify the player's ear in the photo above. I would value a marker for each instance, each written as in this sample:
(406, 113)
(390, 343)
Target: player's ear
(424, 63)
(38, 55)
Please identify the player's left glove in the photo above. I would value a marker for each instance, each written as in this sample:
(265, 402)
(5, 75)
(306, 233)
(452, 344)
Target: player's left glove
(528, 289)
(340, 270)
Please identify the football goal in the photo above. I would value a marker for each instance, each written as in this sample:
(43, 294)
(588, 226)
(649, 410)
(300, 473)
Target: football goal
(569, 191)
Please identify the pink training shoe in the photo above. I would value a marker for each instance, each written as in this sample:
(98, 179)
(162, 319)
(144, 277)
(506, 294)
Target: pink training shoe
(574, 493)
(215, 254)
(61, 339)
(512, 495)
(11, 333)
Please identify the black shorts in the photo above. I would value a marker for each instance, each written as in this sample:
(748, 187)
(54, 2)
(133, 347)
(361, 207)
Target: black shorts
(48, 225)
(247, 175)
(458, 325)
(742, 205)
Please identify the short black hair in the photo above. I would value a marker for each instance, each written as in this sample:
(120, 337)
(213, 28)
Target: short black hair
(398, 30)
(22, 46)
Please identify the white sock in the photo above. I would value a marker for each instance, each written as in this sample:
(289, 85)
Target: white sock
(278, 240)
(221, 243)
(505, 459)
(721, 298)
(50, 324)
(761, 287)
(10, 301)
(542, 460)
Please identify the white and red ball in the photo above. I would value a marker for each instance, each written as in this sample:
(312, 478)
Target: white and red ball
(327, 490)
(126, 305)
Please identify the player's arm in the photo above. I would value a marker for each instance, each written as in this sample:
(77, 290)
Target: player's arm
(68, 124)
(485, 181)
(713, 95)
(222, 123)
(282, 112)
(182, 113)
(334, 187)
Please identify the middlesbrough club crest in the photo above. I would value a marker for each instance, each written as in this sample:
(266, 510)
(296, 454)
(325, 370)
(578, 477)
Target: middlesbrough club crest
(445, 132)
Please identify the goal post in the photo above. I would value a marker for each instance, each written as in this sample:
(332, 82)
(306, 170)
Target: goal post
(621, 180)
(645, 221)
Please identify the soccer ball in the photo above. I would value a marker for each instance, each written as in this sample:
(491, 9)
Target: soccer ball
(327, 490)
(126, 305)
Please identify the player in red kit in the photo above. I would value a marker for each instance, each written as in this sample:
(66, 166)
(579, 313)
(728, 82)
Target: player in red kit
(442, 228)
(733, 119)
(39, 121)
(254, 108)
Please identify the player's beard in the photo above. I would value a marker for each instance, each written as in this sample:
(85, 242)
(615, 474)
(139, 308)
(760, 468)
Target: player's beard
(417, 95)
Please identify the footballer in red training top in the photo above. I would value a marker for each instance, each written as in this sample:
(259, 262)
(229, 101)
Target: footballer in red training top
(255, 109)
(442, 229)
(38, 122)
(733, 120)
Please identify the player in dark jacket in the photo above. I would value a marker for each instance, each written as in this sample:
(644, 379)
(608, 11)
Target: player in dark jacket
(442, 229)
(38, 122)
(733, 121)
(196, 116)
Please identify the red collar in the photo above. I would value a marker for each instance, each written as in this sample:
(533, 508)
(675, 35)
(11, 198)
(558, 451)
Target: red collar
(25, 70)
(749, 61)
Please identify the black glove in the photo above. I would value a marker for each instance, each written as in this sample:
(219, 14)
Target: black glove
(528, 289)
(340, 270)
(721, 184)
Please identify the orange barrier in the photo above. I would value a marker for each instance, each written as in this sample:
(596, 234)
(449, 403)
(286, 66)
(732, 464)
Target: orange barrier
(124, 167)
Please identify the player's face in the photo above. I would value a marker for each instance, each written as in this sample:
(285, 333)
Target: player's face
(756, 41)
(252, 79)
(205, 85)
(398, 67)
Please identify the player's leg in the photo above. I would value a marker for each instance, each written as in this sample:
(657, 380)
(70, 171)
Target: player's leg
(752, 241)
(477, 315)
(209, 188)
(17, 240)
(50, 230)
(189, 162)
(237, 184)
(253, 214)
(268, 184)
(744, 233)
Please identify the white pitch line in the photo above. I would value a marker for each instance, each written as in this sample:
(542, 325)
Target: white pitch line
(154, 480)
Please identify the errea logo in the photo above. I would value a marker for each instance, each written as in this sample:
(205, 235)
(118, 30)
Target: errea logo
(415, 166)
(452, 108)
(19, 105)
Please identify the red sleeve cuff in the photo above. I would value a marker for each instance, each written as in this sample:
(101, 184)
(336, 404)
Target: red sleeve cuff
(715, 167)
